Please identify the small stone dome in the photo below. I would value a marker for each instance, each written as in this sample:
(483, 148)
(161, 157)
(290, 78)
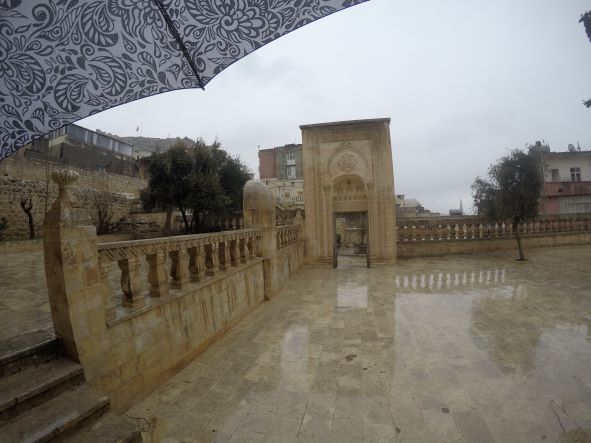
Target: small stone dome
(257, 195)
(258, 205)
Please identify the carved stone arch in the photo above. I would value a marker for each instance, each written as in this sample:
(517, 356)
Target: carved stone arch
(348, 159)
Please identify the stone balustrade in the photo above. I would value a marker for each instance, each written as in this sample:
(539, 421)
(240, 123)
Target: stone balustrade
(288, 235)
(410, 231)
(172, 262)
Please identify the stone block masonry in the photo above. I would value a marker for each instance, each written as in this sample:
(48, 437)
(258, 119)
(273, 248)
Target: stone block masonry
(28, 177)
(133, 313)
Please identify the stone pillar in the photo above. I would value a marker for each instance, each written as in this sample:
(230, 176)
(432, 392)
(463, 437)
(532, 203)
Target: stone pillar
(259, 213)
(72, 270)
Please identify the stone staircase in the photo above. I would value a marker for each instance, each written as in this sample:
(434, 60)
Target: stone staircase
(44, 398)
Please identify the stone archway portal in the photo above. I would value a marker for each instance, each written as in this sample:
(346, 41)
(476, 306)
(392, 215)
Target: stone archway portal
(348, 168)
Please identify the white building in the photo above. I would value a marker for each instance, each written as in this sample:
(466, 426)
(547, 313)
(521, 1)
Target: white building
(567, 177)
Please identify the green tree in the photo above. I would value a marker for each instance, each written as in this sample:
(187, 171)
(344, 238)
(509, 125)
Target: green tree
(586, 20)
(202, 181)
(158, 194)
(512, 190)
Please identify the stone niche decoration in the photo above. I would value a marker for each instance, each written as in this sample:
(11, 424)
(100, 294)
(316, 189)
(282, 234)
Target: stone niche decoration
(348, 168)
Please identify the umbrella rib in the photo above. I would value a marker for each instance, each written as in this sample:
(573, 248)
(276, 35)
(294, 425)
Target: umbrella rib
(178, 39)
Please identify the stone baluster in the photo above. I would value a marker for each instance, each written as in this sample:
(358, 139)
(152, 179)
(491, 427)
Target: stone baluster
(456, 231)
(235, 252)
(212, 260)
(157, 274)
(244, 250)
(250, 246)
(179, 268)
(200, 259)
(224, 255)
(131, 284)
(193, 268)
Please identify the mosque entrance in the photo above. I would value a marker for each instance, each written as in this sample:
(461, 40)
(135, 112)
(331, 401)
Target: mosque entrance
(351, 245)
(349, 192)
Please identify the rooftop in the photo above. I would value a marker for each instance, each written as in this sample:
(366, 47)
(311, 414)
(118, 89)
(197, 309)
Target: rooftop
(365, 122)
(475, 349)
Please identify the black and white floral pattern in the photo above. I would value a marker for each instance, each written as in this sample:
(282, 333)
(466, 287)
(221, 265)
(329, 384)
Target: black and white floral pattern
(63, 60)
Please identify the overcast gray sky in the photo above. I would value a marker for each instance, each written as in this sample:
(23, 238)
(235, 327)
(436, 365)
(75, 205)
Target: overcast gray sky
(463, 81)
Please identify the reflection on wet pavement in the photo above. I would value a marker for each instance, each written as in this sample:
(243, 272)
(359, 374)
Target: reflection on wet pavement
(462, 349)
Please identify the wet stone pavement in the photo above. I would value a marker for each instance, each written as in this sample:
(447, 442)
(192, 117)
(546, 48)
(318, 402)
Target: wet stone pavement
(24, 307)
(454, 349)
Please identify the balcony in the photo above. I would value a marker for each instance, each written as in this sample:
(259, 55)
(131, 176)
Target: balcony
(565, 189)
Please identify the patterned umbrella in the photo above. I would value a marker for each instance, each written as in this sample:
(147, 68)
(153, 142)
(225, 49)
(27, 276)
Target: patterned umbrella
(63, 60)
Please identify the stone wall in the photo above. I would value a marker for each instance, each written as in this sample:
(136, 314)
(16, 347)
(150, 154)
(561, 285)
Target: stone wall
(22, 176)
(480, 246)
(133, 355)
(423, 238)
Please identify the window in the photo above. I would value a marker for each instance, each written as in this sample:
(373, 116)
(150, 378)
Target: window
(555, 175)
(291, 172)
(575, 174)
(291, 156)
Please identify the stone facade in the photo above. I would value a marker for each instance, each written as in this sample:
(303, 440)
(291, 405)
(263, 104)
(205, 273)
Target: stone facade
(348, 168)
(22, 176)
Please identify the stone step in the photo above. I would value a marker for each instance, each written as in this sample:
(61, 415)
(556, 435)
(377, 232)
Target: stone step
(57, 418)
(110, 428)
(22, 352)
(36, 384)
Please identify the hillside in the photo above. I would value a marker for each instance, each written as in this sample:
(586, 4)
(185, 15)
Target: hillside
(147, 145)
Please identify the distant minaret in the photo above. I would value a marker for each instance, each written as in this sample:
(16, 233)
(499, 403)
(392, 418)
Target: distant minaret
(461, 208)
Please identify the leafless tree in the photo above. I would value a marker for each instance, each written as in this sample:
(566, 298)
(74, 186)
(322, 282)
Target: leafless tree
(104, 212)
(27, 206)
